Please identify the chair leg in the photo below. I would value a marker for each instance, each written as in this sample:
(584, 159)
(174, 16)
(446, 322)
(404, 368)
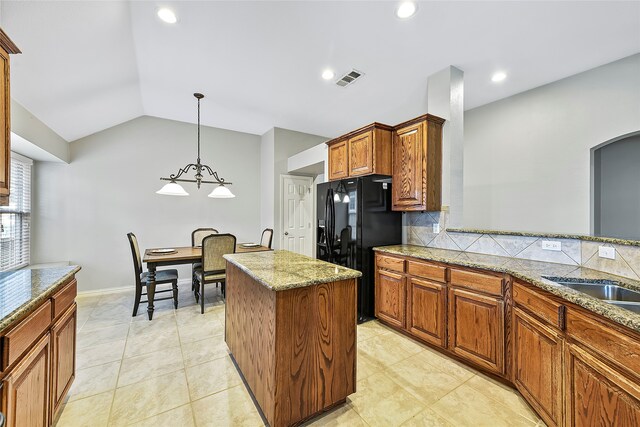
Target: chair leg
(174, 284)
(223, 288)
(136, 301)
(202, 297)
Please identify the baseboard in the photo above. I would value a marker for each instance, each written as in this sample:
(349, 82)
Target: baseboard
(181, 282)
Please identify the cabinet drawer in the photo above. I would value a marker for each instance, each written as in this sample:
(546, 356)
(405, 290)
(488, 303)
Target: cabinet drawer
(606, 339)
(538, 305)
(19, 339)
(390, 263)
(428, 271)
(481, 282)
(64, 298)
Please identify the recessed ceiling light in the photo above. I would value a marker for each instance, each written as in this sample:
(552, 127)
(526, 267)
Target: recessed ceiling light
(328, 74)
(406, 9)
(498, 77)
(167, 15)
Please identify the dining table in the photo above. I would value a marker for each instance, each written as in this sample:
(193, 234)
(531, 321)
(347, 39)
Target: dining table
(179, 255)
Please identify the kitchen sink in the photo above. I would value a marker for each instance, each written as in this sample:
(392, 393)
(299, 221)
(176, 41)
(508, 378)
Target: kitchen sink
(607, 291)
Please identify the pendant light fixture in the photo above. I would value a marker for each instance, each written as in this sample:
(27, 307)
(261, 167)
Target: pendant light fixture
(172, 188)
(341, 194)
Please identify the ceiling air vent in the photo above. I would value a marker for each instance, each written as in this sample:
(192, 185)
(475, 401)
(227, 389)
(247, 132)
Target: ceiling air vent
(349, 78)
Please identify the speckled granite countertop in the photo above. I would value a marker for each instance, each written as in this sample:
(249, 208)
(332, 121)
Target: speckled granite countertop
(22, 291)
(282, 270)
(613, 240)
(532, 272)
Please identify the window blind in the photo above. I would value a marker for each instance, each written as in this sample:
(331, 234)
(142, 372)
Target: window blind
(15, 218)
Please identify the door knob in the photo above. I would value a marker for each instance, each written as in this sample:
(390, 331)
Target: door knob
(286, 233)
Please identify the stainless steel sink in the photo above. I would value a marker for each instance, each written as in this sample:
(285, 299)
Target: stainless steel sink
(607, 292)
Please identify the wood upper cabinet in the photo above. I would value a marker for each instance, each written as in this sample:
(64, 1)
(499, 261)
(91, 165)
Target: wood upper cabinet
(364, 151)
(6, 47)
(338, 162)
(25, 394)
(63, 364)
(597, 393)
(390, 297)
(476, 328)
(537, 365)
(417, 164)
(427, 310)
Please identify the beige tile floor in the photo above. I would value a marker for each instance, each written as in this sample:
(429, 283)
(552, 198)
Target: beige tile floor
(176, 371)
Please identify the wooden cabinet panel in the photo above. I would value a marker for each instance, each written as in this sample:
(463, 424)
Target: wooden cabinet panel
(63, 364)
(532, 301)
(390, 263)
(5, 127)
(426, 317)
(338, 160)
(597, 394)
(361, 154)
(482, 282)
(476, 329)
(21, 337)
(427, 270)
(64, 298)
(408, 167)
(390, 297)
(537, 366)
(26, 389)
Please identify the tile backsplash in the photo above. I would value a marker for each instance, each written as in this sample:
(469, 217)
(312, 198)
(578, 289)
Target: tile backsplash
(419, 231)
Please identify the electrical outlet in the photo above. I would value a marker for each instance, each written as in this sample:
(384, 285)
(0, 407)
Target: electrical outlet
(551, 245)
(606, 252)
(436, 228)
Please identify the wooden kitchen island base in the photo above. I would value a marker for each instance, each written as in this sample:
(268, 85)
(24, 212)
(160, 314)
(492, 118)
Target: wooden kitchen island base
(296, 347)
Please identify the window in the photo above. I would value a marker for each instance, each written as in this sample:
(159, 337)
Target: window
(15, 218)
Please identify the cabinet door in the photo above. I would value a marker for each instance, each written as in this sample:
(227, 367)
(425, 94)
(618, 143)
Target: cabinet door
(361, 154)
(63, 350)
(426, 317)
(338, 160)
(476, 328)
(408, 168)
(390, 297)
(26, 389)
(5, 126)
(537, 365)
(597, 394)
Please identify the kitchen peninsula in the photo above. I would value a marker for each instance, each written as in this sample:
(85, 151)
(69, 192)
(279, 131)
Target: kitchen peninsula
(290, 324)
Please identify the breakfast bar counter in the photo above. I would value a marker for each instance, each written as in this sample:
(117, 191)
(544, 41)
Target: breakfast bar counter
(290, 324)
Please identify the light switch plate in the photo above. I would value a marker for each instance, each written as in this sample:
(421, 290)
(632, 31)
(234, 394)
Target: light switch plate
(606, 252)
(436, 228)
(551, 245)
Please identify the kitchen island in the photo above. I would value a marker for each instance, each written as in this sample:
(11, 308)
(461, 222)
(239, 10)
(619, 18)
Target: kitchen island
(290, 323)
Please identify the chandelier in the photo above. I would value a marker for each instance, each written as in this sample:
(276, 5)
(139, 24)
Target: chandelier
(172, 188)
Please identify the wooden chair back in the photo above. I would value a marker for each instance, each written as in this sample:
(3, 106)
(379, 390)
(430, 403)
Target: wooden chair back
(213, 247)
(267, 237)
(199, 234)
(135, 253)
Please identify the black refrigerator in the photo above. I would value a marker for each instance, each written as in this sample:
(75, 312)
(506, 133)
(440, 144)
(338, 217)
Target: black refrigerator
(354, 215)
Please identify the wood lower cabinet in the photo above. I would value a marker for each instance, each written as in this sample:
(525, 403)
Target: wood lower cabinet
(390, 297)
(476, 329)
(596, 393)
(26, 388)
(537, 365)
(417, 164)
(63, 365)
(427, 311)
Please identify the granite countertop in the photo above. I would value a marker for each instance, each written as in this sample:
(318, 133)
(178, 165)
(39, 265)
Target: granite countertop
(533, 272)
(281, 270)
(21, 291)
(612, 240)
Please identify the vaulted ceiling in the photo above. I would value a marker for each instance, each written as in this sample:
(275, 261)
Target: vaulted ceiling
(89, 65)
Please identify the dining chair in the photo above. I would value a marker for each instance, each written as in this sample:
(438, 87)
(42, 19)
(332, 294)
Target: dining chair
(162, 277)
(196, 240)
(213, 269)
(342, 255)
(267, 237)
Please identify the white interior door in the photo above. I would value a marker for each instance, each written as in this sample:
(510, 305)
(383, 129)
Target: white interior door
(297, 205)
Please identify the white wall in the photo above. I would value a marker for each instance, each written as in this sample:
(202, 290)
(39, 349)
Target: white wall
(32, 129)
(267, 189)
(527, 157)
(83, 210)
